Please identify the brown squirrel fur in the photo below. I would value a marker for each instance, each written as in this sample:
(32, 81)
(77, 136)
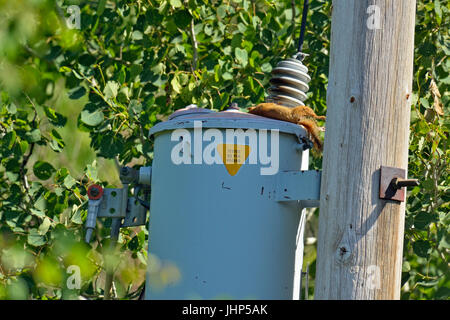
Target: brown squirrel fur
(301, 115)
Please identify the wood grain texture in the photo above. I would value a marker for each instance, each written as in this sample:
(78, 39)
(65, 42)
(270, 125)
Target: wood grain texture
(360, 240)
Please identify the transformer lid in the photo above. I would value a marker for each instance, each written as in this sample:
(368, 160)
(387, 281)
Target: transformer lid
(228, 119)
(189, 110)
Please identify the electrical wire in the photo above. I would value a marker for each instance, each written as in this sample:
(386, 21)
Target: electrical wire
(303, 26)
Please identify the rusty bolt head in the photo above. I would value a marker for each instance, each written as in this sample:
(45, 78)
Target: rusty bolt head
(95, 192)
(124, 171)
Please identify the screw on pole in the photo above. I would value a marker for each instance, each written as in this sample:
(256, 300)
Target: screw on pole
(398, 183)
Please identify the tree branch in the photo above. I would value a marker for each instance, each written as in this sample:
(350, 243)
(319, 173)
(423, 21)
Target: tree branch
(30, 153)
(195, 47)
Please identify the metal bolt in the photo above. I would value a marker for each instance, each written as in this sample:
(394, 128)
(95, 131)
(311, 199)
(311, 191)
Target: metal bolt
(124, 171)
(398, 183)
(95, 192)
(233, 106)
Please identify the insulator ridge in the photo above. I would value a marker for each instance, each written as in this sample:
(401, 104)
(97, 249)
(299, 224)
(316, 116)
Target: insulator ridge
(289, 82)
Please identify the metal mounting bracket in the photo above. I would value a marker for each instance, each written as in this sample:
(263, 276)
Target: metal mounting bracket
(393, 183)
(115, 202)
(301, 186)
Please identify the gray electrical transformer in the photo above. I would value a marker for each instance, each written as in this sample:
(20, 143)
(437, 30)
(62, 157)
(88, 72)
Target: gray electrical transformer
(227, 190)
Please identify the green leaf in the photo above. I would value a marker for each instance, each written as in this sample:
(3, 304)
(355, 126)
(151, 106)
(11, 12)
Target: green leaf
(23, 146)
(92, 118)
(236, 41)
(443, 293)
(406, 267)
(133, 244)
(153, 17)
(266, 67)
(40, 204)
(9, 139)
(227, 76)
(35, 239)
(241, 56)
(12, 109)
(241, 27)
(54, 117)
(137, 35)
(135, 70)
(57, 143)
(69, 182)
(37, 213)
(111, 90)
(438, 10)
(76, 217)
(319, 18)
(101, 7)
(175, 84)
(92, 171)
(427, 184)
(444, 239)
(64, 69)
(421, 248)
(222, 11)
(77, 93)
(208, 29)
(217, 73)
(182, 18)
(175, 3)
(43, 170)
(423, 127)
(33, 135)
(122, 75)
(45, 225)
(422, 220)
(135, 106)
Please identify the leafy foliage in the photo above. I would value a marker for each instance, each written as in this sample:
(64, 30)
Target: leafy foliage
(131, 64)
(427, 241)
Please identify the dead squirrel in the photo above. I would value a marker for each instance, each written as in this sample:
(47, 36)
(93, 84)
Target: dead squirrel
(301, 115)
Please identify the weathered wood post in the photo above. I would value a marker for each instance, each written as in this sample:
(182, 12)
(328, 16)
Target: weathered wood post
(360, 238)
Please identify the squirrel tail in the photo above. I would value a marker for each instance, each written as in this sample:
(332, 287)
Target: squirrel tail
(312, 128)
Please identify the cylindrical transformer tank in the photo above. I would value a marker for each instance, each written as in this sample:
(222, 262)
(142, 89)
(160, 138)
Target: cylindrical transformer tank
(220, 226)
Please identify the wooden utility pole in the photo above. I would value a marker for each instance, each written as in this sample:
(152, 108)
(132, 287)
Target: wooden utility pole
(359, 254)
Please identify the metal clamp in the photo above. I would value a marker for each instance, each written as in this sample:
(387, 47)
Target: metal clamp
(115, 202)
(393, 183)
(91, 219)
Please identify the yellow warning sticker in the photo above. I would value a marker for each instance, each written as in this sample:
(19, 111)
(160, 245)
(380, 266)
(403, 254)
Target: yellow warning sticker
(233, 156)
